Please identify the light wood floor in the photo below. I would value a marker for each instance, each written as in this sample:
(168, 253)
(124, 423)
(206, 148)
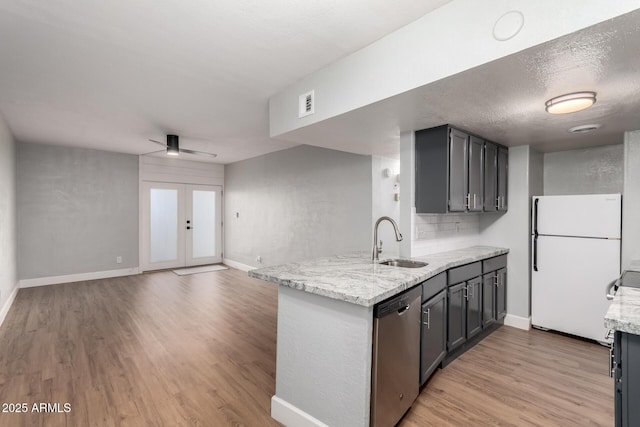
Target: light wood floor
(159, 349)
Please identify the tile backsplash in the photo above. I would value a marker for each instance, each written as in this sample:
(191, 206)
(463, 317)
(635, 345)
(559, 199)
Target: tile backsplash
(442, 232)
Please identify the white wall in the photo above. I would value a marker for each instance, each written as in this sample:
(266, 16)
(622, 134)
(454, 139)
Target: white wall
(451, 39)
(8, 248)
(335, 338)
(631, 199)
(512, 229)
(300, 203)
(594, 170)
(77, 211)
(383, 189)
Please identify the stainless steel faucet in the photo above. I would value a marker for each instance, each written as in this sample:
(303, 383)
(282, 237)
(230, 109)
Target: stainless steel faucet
(377, 250)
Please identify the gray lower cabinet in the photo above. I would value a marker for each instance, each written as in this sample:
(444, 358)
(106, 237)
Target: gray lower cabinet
(627, 379)
(488, 299)
(474, 306)
(464, 303)
(501, 293)
(433, 344)
(457, 315)
(494, 296)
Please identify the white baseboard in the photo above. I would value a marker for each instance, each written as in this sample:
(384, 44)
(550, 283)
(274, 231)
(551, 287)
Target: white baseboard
(291, 416)
(54, 280)
(7, 305)
(237, 265)
(518, 322)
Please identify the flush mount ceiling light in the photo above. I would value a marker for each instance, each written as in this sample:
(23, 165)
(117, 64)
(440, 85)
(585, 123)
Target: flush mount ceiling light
(570, 103)
(584, 128)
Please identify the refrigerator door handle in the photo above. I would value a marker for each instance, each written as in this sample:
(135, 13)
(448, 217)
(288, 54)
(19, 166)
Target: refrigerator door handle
(535, 234)
(535, 252)
(535, 216)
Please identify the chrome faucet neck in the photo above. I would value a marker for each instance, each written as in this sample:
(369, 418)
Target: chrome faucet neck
(375, 256)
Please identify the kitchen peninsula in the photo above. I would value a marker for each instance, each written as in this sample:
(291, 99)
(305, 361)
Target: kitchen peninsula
(325, 325)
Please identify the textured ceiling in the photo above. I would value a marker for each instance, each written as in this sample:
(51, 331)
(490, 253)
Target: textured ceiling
(110, 75)
(504, 100)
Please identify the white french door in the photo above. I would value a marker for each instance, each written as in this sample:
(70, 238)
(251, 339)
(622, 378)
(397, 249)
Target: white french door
(181, 225)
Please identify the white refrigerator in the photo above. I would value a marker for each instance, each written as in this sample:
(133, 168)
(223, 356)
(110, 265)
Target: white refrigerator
(575, 253)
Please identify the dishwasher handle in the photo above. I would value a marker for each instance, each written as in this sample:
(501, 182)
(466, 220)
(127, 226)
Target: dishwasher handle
(404, 309)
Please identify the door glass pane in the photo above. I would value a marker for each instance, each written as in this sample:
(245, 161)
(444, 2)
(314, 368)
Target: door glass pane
(204, 223)
(164, 225)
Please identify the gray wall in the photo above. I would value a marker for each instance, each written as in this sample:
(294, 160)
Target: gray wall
(512, 229)
(295, 204)
(597, 170)
(8, 263)
(77, 210)
(631, 199)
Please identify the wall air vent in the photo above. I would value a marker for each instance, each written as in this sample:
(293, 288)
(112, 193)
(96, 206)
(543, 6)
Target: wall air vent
(306, 105)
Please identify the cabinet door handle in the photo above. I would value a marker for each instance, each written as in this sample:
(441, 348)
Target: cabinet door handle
(469, 292)
(474, 200)
(498, 202)
(612, 362)
(495, 281)
(428, 313)
(467, 202)
(465, 293)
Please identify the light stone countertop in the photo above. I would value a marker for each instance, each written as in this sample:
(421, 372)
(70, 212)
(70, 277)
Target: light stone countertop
(355, 279)
(624, 312)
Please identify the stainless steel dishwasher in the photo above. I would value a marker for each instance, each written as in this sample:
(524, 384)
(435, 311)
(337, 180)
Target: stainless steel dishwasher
(396, 357)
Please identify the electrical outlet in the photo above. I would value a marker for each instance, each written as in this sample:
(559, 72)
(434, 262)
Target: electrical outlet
(259, 259)
(118, 259)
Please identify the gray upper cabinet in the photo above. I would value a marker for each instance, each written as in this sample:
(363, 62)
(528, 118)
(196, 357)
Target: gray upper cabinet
(458, 158)
(503, 174)
(475, 198)
(490, 177)
(452, 169)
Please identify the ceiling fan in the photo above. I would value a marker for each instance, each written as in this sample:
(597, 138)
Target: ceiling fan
(173, 147)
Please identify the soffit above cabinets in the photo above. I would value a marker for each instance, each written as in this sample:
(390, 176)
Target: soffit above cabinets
(504, 100)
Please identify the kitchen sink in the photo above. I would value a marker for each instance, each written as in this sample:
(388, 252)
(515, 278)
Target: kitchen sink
(404, 263)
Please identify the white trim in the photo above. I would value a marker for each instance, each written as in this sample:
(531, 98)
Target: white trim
(7, 305)
(291, 416)
(518, 322)
(237, 265)
(54, 280)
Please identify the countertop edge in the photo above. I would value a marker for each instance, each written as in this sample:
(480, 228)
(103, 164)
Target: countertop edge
(416, 276)
(624, 312)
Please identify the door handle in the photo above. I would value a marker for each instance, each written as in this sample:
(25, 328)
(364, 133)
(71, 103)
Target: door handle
(428, 313)
(467, 202)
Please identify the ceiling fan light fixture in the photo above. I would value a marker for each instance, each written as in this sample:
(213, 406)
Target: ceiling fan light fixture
(570, 103)
(173, 148)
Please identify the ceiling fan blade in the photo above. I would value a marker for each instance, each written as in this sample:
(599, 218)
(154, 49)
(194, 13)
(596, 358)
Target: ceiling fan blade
(199, 153)
(153, 152)
(159, 143)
